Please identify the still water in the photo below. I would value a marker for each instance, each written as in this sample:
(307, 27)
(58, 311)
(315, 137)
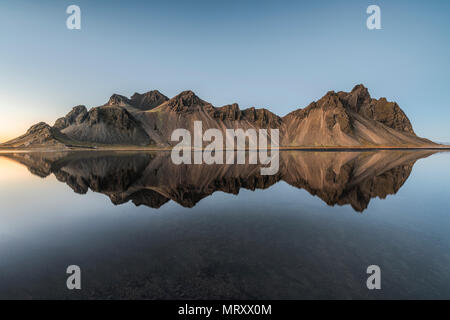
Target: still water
(141, 227)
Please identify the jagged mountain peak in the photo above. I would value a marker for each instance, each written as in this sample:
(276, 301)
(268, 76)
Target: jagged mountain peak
(118, 100)
(144, 102)
(186, 101)
(261, 117)
(352, 100)
(359, 101)
(40, 126)
(359, 87)
(329, 101)
(148, 100)
(76, 116)
(148, 93)
(350, 119)
(355, 99)
(188, 97)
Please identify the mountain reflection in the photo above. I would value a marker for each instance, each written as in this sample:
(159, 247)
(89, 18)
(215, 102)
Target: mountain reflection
(151, 179)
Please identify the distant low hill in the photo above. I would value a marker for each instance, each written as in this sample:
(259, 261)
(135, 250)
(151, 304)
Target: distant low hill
(339, 119)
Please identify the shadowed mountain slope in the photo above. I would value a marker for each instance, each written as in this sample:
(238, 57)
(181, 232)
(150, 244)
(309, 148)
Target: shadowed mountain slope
(104, 125)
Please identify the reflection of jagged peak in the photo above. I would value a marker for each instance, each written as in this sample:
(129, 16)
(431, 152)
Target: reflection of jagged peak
(339, 189)
(387, 183)
(349, 177)
(145, 197)
(151, 179)
(39, 164)
(105, 173)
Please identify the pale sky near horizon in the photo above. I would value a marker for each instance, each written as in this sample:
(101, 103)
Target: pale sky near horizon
(281, 55)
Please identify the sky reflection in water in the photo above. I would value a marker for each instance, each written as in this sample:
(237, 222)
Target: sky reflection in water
(308, 232)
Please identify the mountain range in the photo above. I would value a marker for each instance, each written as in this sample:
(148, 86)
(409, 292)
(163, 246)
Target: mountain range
(338, 119)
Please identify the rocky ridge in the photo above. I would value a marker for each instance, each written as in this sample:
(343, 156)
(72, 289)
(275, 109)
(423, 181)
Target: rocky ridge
(339, 119)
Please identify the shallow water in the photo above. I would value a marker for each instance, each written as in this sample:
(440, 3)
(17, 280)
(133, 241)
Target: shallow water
(141, 227)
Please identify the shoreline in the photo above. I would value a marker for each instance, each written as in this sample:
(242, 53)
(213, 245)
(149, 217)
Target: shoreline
(298, 148)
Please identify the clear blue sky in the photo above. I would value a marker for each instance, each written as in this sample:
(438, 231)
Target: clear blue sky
(276, 54)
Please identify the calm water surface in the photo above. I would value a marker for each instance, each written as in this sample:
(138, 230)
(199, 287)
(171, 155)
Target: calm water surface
(141, 227)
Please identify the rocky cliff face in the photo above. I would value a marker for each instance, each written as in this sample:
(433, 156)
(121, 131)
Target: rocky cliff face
(349, 119)
(103, 125)
(388, 113)
(76, 116)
